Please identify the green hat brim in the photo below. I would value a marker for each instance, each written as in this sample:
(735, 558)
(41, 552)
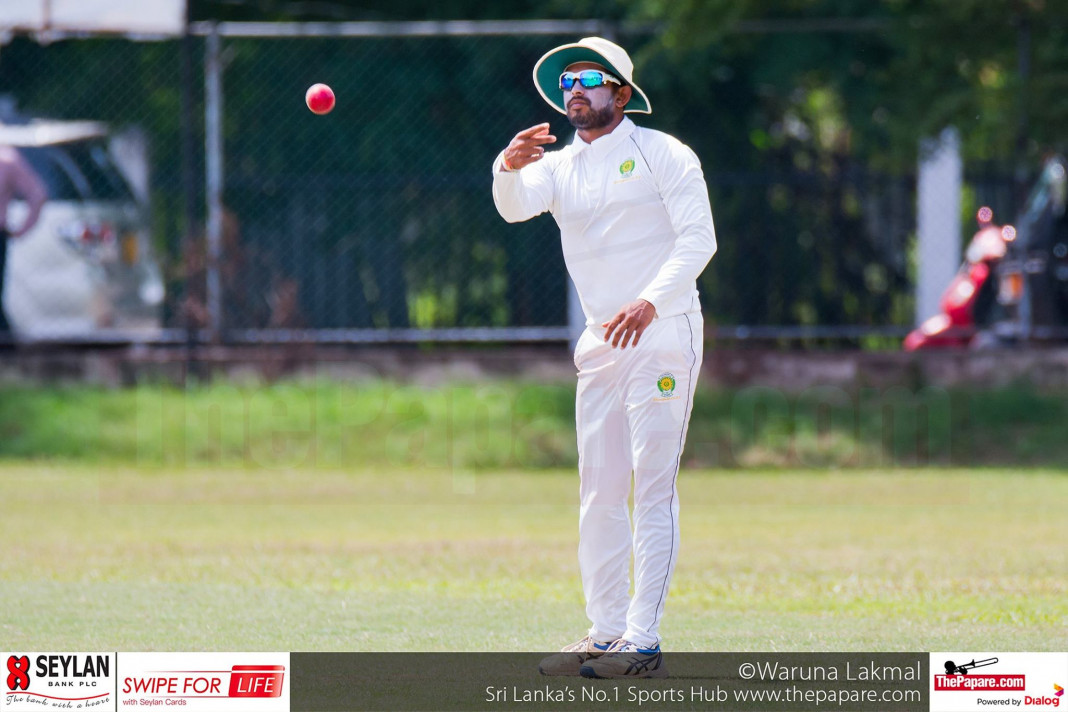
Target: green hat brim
(548, 70)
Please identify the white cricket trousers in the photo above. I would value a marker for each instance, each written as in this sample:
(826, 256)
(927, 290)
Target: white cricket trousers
(632, 410)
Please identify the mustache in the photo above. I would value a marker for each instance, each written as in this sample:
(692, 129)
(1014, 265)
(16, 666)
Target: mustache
(577, 101)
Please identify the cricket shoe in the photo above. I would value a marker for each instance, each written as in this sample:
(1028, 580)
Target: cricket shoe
(570, 659)
(625, 659)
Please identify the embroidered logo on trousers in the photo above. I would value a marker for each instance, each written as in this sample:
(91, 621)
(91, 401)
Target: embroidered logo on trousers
(665, 384)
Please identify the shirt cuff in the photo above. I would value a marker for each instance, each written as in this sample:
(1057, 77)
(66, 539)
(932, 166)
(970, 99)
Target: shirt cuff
(498, 165)
(656, 310)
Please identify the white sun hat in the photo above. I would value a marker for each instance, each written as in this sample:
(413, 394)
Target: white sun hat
(589, 49)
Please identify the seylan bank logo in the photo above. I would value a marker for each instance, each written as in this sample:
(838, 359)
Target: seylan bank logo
(18, 668)
(78, 681)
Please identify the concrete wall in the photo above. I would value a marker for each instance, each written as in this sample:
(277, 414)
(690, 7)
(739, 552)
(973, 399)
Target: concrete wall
(791, 371)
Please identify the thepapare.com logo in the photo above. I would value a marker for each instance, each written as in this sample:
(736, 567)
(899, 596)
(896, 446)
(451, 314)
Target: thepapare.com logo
(978, 682)
(58, 681)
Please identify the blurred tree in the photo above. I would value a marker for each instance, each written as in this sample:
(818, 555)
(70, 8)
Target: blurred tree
(903, 69)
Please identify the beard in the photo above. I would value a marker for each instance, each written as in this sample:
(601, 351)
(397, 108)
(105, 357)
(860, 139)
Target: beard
(593, 118)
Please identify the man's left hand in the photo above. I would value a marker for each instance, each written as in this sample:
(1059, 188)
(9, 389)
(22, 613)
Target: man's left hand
(629, 324)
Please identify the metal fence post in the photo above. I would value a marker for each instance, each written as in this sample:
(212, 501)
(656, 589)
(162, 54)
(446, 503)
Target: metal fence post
(213, 117)
(938, 196)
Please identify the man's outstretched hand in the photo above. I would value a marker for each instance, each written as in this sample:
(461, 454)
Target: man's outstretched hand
(526, 147)
(629, 324)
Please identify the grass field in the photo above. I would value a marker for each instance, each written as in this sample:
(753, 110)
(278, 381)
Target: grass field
(433, 559)
(497, 425)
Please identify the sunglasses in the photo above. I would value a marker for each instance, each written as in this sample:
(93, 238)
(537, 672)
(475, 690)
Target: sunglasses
(588, 78)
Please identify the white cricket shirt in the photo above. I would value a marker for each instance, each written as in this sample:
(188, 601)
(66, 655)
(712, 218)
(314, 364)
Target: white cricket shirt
(634, 217)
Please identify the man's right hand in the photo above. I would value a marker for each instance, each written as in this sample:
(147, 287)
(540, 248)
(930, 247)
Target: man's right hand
(526, 147)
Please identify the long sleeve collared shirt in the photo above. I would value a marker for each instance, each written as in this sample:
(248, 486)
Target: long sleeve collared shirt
(634, 217)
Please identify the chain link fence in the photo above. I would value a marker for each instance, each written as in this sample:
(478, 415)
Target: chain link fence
(378, 215)
(375, 222)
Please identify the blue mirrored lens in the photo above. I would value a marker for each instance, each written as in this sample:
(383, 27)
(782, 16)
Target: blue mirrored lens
(591, 78)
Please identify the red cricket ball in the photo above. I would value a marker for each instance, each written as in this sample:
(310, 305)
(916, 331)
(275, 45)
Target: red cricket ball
(319, 98)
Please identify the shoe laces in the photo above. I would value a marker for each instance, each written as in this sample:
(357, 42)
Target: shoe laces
(580, 646)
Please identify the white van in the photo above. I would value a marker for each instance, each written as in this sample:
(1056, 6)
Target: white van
(87, 267)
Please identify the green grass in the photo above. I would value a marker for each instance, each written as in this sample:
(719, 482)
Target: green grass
(434, 559)
(320, 425)
(388, 516)
(516, 425)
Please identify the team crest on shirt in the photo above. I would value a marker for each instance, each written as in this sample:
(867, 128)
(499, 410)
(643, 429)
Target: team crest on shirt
(626, 171)
(665, 385)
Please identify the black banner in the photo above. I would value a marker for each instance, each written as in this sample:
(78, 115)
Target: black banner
(505, 682)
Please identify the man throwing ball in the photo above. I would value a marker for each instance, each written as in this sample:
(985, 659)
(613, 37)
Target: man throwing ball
(636, 230)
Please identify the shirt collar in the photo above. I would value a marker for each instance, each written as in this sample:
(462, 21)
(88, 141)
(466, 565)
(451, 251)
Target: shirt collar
(607, 142)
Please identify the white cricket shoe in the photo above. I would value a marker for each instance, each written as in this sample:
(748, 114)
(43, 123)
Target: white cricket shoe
(571, 658)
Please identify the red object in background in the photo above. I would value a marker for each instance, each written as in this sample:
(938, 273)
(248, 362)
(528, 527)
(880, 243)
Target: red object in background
(955, 326)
